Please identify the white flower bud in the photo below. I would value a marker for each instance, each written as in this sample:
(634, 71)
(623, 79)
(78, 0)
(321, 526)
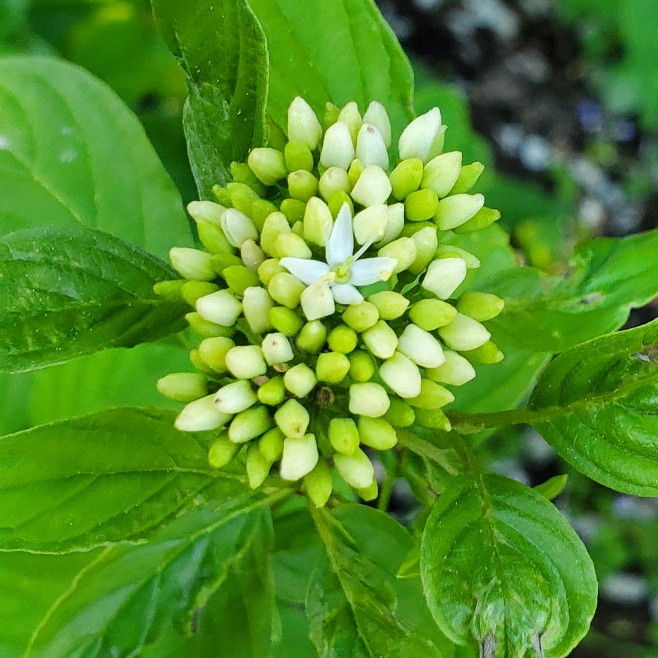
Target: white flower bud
(369, 225)
(256, 305)
(201, 415)
(292, 419)
(300, 455)
(421, 347)
(368, 399)
(252, 255)
(206, 211)
(352, 117)
(300, 380)
(381, 340)
(192, 264)
(464, 334)
(457, 370)
(337, 149)
(317, 301)
(441, 173)
(333, 180)
(277, 349)
(356, 469)
(303, 125)
(401, 374)
(318, 221)
(377, 116)
(235, 397)
(377, 433)
(220, 307)
(373, 187)
(246, 361)
(292, 246)
(370, 147)
(418, 137)
(426, 241)
(275, 224)
(403, 250)
(444, 276)
(457, 209)
(268, 165)
(394, 223)
(238, 227)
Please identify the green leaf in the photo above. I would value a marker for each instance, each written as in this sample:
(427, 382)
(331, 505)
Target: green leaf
(130, 595)
(112, 476)
(221, 47)
(596, 404)
(501, 565)
(72, 154)
(67, 292)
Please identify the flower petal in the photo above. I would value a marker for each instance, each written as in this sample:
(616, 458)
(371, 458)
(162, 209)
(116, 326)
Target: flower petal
(346, 293)
(371, 270)
(341, 243)
(306, 270)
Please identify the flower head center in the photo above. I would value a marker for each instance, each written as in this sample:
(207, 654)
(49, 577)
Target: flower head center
(343, 271)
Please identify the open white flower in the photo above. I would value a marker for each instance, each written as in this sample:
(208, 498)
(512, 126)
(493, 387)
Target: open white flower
(343, 270)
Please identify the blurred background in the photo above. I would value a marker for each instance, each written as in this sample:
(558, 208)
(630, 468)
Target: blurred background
(559, 98)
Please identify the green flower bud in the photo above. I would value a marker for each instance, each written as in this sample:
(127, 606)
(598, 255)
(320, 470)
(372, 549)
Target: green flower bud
(249, 424)
(206, 211)
(370, 147)
(241, 173)
(338, 199)
(293, 210)
(317, 301)
(362, 366)
(272, 392)
(194, 290)
(260, 211)
(480, 306)
(201, 415)
(368, 399)
(257, 467)
(343, 435)
(268, 164)
(331, 113)
(302, 185)
(377, 116)
(421, 347)
(391, 305)
(268, 269)
(319, 484)
(373, 187)
(271, 444)
(192, 264)
(455, 371)
(467, 178)
(464, 334)
(238, 227)
(381, 340)
(303, 125)
(403, 250)
(400, 414)
(291, 245)
(183, 386)
(333, 180)
(298, 157)
(222, 451)
(246, 361)
(352, 117)
(242, 198)
(342, 339)
(483, 218)
(369, 225)
(239, 278)
(377, 433)
(356, 469)
(432, 396)
(275, 224)
(418, 137)
(199, 363)
(292, 419)
(421, 205)
(406, 178)
(207, 329)
(370, 492)
(252, 255)
(338, 147)
(332, 367)
(457, 209)
(286, 289)
(442, 172)
(224, 260)
(430, 314)
(426, 244)
(213, 352)
(285, 320)
(300, 455)
(401, 375)
(318, 222)
(444, 276)
(235, 397)
(300, 380)
(450, 251)
(170, 289)
(434, 419)
(394, 223)
(354, 173)
(256, 305)
(487, 354)
(312, 337)
(220, 307)
(222, 195)
(361, 316)
(213, 239)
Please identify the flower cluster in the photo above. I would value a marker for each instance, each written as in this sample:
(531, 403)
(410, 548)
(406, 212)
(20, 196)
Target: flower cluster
(327, 297)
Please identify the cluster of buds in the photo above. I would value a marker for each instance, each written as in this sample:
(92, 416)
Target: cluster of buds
(328, 298)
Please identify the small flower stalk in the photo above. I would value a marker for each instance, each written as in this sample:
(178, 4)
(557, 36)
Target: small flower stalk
(329, 301)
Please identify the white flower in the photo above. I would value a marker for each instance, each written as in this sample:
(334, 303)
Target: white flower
(343, 270)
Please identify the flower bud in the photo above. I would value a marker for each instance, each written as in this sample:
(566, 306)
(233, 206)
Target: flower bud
(369, 225)
(401, 375)
(343, 435)
(356, 469)
(293, 210)
(381, 340)
(312, 337)
(213, 352)
(464, 334)
(286, 289)
(252, 255)
(342, 339)
(302, 185)
(192, 264)
(285, 320)
(268, 269)
(201, 415)
(362, 366)
(421, 347)
(450, 250)
(337, 201)
(406, 178)
(332, 367)
(441, 173)
(434, 419)
(199, 363)
(370, 147)
(241, 173)
(373, 187)
(194, 290)
(354, 173)
(222, 195)
(212, 237)
(487, 354)
(239, 278)
(291, 245)
(377, 433)
(303, 125)
(377, 116)
(292, 419)
(431, 396)
(482, 218)
(426, 243)
(333, 180)
(430, 314)
(238, 227)
(421, 205)
(249, 424)
(400, 414)
(300, 380)
(352, 117)
(455, 371)
(235, 397)
(224, 260)
(319, 484)
(318, 221)
(274, 225)
(222, 451)
(171, 290)
(368, 399)
(272, 392)
(444, 276)
(317, 301)
(391, 305)
(457, 209)
(480, 306)
(220, 307)
(300, 455)
(271, 444)
(394, 223)
(361, 316)
(206, 211)
(183, 386)
(257, 467)
(370, 492)
(242, 199)
(467, 178)
(277, 349)
(338, 148)
(256, 305)
(268, 164)
(403, 250)
(298, 157)
(207, 329)
(246, 361)
(418, 137)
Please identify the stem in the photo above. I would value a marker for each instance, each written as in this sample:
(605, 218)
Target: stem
(522, 416)
(387, 486)
(426, 449)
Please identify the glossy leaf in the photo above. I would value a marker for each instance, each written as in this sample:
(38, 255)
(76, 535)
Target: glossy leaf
(74, 291)
(85, 160)
(501, 565)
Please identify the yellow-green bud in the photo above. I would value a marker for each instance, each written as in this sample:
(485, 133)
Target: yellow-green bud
(257, 467)
(381, 340)
(377, 433)
(222, 451)
(337, 201)
(213, 352)
(256, 305)
(212, 237)
(319, 484)
(421, 205)
(291, 245)
(467, 178)
(246, 361)
(434, 419)
(338, 147)
(235, 397)
(455, 371)
(170, 289)
(238, 227)
(442, 172)
(362, 366)
(317, 301)
(450, 251)
(369, 225)
(391, 305)
(272, 392)
(268, 269)
(271, 444)
(199, 363)
(277, 349)
(201, 415)
(300, 455)
(483, 218)
(252, 255)
(394, 223)
(222, 195)
(332, 367)
(368, 399)
(406, 178)
(418, 137)
(302, 185)
(223, 260)
(373, 187)
(444, 276)
(183, 386)
(268, 164)
(487, 354)
(400, 414)
(241, 173)
(194, 290)
(318, 222)
(370, 492)
(356, 469)
(239, 278)
(242, 198)
(260, 211)
(206, 211)
(303, 125)
(457, 209)
(421, 347)
(312, 337)
(275, 224)
(370, 147)
(352, 117)
(300, 380)
(361, 316)
(432, 396)
(207, 329)
(343, 435)
(401, 375)
(286, 289)
(298, 228)
(377, 116)
(403, 250)
(430, 314)
(220, 307)
(292, 419)
(426, 243)
(298, 157)
(285, 320)
(354, 172)
(464, 334)
(192, 264)
(342, 339)
(333, 180)
(249, 424)
(480, 306)
(293, 209)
